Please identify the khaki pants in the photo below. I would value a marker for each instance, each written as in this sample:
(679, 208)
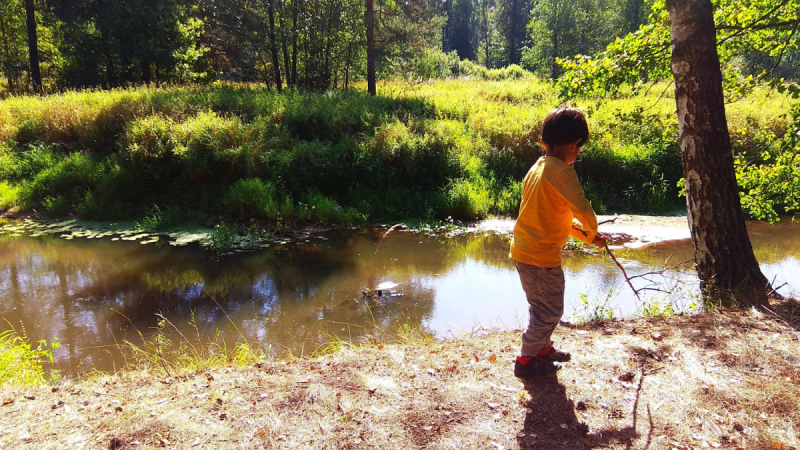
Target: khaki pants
(544, 288)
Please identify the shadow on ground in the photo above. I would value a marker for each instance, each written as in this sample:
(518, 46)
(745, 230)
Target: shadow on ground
(552, 422)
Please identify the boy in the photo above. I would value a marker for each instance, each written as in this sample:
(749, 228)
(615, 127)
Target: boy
(551, 199)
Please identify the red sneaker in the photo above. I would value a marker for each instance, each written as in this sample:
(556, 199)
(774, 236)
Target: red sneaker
(556, 355)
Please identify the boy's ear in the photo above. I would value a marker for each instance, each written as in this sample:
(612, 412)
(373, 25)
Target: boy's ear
(543, 144)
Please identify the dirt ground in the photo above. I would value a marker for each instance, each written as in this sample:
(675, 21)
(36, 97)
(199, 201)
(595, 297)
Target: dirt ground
(719, 380)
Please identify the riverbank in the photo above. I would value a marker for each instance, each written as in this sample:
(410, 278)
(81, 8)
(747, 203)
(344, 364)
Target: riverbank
(717, 380)
(234, 152)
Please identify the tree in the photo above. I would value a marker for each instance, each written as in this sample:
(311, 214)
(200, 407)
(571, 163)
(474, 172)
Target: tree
(459, 29)
(13, 61)
(726, 265)
(33, 48)
(369, 20)
(682, 41)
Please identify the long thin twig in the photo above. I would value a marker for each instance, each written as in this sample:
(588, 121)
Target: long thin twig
(624, 273)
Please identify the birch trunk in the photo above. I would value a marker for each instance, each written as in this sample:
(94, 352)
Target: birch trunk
(728, 270)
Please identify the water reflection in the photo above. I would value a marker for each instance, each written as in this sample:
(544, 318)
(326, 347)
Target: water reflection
(92, 294)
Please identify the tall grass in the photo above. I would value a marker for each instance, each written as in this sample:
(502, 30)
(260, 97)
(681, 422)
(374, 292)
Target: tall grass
(22, 363)
(444, 148)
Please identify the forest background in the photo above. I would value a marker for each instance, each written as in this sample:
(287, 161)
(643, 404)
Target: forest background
(216, 131)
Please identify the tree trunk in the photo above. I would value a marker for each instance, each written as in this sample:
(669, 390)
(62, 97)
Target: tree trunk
(147, 72)
(33, 47)
(347, 66)
(294, 42)
(284, 44)
(728, 270)
(487, 35)
(370, 22)
(273, 46)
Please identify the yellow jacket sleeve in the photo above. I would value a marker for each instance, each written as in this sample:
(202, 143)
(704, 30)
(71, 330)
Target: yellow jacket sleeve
(570, 189)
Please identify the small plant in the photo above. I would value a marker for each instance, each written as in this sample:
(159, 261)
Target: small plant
(223, 238)
(658, 309)
(21, 364)
(158, 220)
(591, 312)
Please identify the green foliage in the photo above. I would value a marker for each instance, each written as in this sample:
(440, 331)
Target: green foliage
(21, 364)
(158, 220)
(9, 195)
(590, 311)
(657, 309)
(223, 238)
(559, 29)
(756, 31)
(455, 148)
(772, 188)
(253, 198)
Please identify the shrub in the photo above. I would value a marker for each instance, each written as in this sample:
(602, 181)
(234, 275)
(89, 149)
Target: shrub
(9, 195)
(253, 198)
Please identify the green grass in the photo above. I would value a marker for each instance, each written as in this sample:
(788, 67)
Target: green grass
(22, 363)
(430, 150)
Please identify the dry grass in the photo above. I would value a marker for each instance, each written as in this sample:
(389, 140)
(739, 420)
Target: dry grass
(720, 380)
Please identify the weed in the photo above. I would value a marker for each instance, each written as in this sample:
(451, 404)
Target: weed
(223, 238)
(591, 312)
(21, 364)
(158, 220)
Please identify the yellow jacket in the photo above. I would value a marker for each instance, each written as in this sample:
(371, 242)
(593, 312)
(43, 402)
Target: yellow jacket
(551, 198)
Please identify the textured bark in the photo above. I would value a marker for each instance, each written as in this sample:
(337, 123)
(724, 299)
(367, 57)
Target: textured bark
(294, 42)
(728, 270)
(273, 46)
(370, 23)
(33, 46)
(284, 44)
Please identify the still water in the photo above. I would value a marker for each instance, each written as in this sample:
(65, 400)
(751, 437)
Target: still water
(92, 294)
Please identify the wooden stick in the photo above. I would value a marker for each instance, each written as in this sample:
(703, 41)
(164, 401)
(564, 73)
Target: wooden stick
(624, 273)
(608, 250)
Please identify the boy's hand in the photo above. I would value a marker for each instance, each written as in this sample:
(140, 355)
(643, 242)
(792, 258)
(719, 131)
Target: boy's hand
(600, 240)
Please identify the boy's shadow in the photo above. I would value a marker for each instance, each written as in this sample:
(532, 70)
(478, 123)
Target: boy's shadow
(553, 424)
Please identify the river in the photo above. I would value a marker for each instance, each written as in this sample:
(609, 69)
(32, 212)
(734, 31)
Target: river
(94, 294)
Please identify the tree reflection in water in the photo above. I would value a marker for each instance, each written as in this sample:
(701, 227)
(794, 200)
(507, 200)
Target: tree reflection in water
(93, 293)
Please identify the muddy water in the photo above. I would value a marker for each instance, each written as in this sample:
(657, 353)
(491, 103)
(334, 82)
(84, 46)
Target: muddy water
(92, 294)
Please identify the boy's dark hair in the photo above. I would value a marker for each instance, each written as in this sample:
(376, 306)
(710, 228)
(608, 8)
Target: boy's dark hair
(565, 125)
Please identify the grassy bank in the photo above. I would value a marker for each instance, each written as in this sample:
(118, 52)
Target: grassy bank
(721, 380)
(238, 152)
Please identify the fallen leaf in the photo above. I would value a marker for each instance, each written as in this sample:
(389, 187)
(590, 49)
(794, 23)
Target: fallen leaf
(476, 357)
(30, 397)
(627, 377)
(427, 428)
(492, 358)
(8, 402)
(380, 346)
(778, 446)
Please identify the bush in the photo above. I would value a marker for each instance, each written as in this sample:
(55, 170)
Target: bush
(253, 198)
(9, 195)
